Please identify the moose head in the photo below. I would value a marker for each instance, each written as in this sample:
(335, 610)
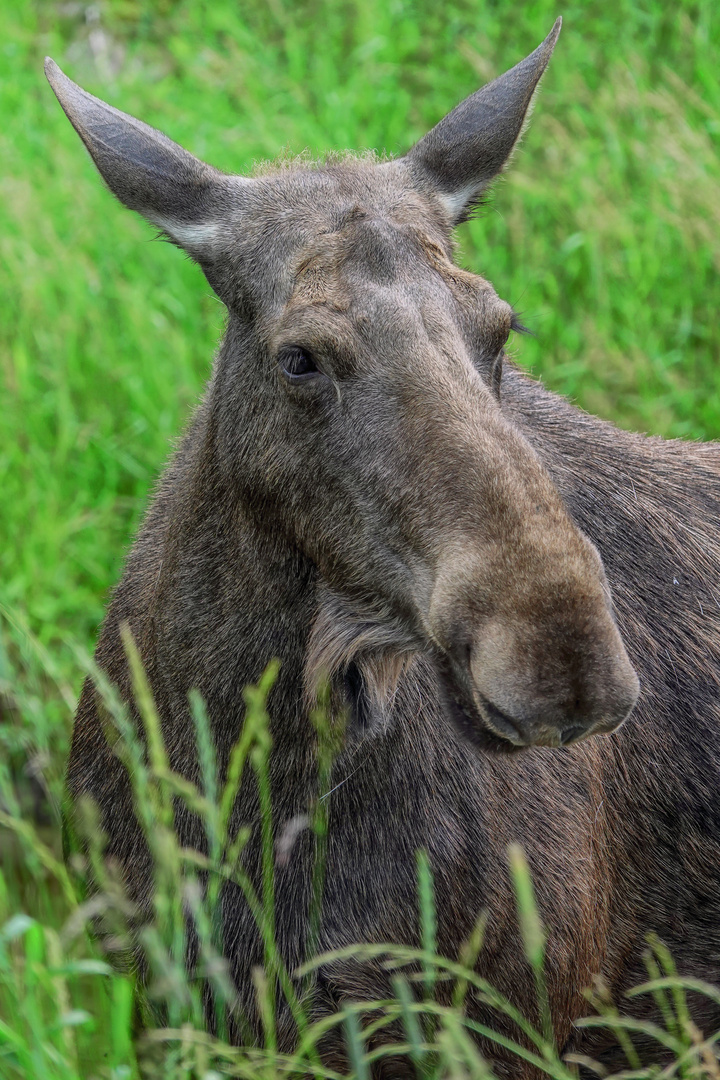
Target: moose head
(358, 416)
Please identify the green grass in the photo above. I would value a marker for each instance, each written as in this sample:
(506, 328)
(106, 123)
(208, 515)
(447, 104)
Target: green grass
(605, 234)
(66, 1014)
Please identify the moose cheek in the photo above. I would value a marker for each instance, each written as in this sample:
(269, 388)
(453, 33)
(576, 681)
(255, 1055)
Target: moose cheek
(496, 372)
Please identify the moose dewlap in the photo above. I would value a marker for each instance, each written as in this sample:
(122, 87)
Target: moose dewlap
(368, 493)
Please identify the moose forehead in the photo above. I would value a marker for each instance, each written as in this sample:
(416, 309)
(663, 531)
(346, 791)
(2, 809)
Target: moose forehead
(354, 213)
(357, 249)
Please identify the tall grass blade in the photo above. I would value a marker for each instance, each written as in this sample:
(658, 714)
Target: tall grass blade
(356, 1048)
(411, 1022)
(533, 934)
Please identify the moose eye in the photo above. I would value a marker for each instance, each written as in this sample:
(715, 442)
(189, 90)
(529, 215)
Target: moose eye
(297, 364)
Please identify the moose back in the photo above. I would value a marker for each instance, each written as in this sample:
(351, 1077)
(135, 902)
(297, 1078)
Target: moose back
(370, 493)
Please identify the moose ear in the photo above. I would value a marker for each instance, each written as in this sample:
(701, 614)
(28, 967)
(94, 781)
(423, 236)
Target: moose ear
(148, 172)
(466, 151)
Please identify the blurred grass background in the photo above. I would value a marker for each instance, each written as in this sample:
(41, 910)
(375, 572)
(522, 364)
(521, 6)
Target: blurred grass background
(605, 235)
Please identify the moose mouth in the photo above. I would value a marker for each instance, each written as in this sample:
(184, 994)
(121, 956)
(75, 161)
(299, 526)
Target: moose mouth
(475, 718)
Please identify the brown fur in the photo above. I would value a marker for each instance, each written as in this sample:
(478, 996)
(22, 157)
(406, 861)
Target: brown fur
(440, 554)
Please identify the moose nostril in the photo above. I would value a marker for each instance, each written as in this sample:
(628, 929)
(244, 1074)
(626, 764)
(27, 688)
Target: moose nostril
(572, 734)
(500, 723)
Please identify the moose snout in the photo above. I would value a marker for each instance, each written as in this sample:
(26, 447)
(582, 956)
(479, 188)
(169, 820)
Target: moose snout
(528, 689)
(548, 674)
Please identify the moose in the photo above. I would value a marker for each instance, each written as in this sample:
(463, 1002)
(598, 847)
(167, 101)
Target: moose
(487, 578)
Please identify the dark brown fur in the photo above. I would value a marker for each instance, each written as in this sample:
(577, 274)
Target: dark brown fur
(410, 530)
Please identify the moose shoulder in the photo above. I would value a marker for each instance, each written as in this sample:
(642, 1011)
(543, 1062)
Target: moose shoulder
(366, 494)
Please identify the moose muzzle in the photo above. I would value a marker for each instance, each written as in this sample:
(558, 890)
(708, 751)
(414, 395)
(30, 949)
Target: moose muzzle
(532, 659)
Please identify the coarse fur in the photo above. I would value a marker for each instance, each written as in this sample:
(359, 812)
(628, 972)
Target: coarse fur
(441, 539)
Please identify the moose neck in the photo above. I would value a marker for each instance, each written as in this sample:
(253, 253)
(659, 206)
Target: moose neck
(231, 595)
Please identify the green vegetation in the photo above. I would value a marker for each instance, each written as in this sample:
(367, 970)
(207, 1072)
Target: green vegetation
(66, 1014)
(605, 235)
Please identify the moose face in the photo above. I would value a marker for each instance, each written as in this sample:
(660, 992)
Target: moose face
(358, 415)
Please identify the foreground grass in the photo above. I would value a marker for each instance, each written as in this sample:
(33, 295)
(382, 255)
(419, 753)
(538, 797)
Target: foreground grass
(66, 1014)
(605, 234)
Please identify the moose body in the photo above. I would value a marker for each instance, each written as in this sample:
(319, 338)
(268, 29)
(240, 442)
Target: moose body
(365, 494)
